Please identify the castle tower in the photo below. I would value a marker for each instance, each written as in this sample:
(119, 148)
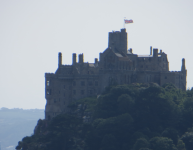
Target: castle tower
(118, 40)
(59, 59)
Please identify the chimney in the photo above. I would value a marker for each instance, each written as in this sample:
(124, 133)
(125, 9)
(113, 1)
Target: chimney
(150, 50)
(81, 58)
(96, 61)
(59, 59)
(183, 65)
(73, 58)
(155, 52)
(131, 50)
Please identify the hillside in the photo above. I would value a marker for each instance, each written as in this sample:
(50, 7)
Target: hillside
(124, 117)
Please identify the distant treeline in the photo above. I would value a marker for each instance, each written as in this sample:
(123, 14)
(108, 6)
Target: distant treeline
(20, 109)
(17, 123)
(124, 117)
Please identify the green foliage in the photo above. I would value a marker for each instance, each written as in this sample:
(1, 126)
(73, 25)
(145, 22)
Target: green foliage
(125, 104)
(109, 142)
(187, 138)
(89, 102)
(181, 145)
(172, 134)
(188, 112)
(162, 143)
(141, 143)
(124, 117)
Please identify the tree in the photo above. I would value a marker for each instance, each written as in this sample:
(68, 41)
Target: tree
(162, 143)
(141, 143)
(109, 142)
(125, 104)
(172, 134)
(187, 138)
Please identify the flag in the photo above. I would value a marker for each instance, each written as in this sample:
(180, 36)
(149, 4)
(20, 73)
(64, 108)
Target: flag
(128, 21)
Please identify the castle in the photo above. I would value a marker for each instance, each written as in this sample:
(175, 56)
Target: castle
(116, 64)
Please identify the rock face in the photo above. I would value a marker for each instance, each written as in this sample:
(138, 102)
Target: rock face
(116, 65)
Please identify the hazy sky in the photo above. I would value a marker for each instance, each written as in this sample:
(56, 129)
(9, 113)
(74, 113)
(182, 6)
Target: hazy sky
(32, 32)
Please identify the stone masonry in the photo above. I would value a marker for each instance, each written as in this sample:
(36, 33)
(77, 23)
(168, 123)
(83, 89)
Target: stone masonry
(116, 64)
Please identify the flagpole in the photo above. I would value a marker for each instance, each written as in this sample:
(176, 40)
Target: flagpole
(124, 23)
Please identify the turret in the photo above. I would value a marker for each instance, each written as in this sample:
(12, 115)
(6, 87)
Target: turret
(74, 59)
(183, 65)
(81, 58)
(59, 59)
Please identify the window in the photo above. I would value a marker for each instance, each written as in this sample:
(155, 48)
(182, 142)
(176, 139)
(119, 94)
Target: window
(96, 83)
(54, 100)
(82, 92)
(165, 77)
(90, 91)
(48, 91)
(48, 83)
(64, 102)
(82, 83)
(74, 83)
(74, 92)
(90, 83)
(64, 86)
(64, 94)
(59, 92)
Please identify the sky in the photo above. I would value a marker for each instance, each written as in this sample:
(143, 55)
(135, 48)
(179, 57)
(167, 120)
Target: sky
(33, 32)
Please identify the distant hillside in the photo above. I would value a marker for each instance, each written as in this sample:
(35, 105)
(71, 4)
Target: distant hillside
(124, 117)
(17, 123)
